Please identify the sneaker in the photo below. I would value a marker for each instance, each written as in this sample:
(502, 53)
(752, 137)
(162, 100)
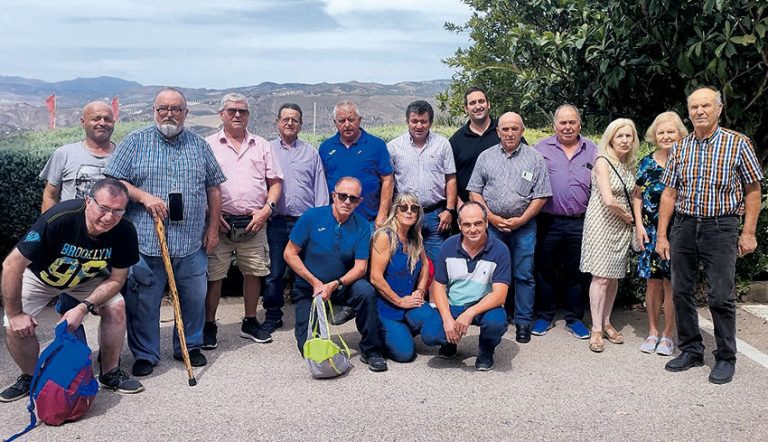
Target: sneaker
(341, 315)
(484, 362)
(541, 327)
(578, 329)
(209, 335)
(270, 325)
(448, 351)
(375, 362)
(251, 329)
(118, 380)
(142, 367)
(18, 390)
(196, 358)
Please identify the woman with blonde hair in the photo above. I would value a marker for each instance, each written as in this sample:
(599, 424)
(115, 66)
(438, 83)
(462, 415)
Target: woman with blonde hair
(608, 226)
(399, 273)
(663, 133)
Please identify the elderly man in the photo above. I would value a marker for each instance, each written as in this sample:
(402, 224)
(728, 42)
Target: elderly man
(82, 247)
(423, 165)
(512, 182)
(170, 173)
(248, 198)
(328, 250)
(304, 187)
(472, 277)
(711, 176)
(569, 158)
(354, 152)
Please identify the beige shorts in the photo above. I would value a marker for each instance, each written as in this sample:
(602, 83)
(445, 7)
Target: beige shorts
(252, 256)
(35, 295)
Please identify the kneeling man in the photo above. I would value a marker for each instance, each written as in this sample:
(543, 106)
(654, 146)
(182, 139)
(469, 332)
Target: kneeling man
(472, 277)
(81, 247)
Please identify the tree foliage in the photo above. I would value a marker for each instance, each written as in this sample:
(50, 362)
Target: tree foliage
(628, 58)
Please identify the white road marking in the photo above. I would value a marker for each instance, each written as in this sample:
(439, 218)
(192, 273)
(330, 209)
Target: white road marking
(743, 348)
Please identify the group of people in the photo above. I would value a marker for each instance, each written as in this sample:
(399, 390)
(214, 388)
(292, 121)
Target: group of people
(368, 225)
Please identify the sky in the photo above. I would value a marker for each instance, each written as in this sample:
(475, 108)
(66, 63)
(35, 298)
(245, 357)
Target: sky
(220, 44)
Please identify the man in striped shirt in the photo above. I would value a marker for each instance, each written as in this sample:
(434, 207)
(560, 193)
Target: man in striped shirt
(712, 176)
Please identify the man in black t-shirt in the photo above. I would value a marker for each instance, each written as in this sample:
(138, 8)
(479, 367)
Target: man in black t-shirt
(82, 248)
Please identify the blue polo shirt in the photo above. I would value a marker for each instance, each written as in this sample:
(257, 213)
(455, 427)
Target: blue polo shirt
(329, 249)
(467, 279)
(367, 160)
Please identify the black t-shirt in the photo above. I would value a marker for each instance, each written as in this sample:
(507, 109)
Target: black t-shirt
(62, 253)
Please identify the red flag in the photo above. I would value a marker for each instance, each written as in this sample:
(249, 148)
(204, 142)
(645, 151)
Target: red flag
(50, 102)
(116, 108)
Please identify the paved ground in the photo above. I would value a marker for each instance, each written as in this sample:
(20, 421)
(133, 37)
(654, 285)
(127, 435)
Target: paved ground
(551, 389)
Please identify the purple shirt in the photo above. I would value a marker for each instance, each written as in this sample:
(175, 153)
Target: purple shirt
(304, 184)
(570, 179)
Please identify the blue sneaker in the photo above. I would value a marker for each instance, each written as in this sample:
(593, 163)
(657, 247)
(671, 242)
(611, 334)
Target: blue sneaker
(541, 327)
(578, 329)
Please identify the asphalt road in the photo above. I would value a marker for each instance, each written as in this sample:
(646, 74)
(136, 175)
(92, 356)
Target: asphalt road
(553, 388)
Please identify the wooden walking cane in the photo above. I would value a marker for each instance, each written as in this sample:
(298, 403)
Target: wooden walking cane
(160, 229)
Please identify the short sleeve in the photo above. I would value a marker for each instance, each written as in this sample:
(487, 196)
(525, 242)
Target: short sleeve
(543, 188)
(441, 268)
(34, 244)
(274, 171)
(503, 271)
(477, 180)
(385, 164)
(363, 246)
(128, 249)
(449, 165)
(300, 233)
(749, 167)
(52, 172)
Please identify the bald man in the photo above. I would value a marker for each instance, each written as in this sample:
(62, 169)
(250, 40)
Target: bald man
(512, 182)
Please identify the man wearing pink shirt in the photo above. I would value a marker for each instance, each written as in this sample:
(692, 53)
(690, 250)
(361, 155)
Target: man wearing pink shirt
(253, 186)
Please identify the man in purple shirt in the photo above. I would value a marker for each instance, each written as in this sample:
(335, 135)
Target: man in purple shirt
(304, 187)
(569, 158)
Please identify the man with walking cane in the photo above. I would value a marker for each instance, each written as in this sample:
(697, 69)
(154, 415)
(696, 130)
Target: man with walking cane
(173, 174)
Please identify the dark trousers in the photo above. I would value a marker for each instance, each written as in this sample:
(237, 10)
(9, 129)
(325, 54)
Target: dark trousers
(360, 296)
(558, 252)
(278, 230)
(713, 242)
(427, 320)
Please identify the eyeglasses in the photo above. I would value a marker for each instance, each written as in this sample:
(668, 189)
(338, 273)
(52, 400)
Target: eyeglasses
(233, 111)
(105, 210)
(404, 208)
(290, 120)
(163, 111)
(344, 197)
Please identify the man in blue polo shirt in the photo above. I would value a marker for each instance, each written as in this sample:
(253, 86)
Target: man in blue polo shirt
(472, 277)
(328, 250)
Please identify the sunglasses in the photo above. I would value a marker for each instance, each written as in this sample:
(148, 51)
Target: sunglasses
(344, 197)
(233, 111)
(404, 208)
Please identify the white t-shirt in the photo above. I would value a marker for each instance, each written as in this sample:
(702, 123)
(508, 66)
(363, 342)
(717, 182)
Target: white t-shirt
(74, 169)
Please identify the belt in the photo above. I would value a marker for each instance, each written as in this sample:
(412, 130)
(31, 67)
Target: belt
(436, 206)
(286, 217)
(704, 218)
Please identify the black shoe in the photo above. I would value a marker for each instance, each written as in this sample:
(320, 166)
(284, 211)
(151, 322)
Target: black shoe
(142, 367)
(484, 362)
(196, 358)
(523, 334)
(118, 380)
(251, 329)
(209, 335)
(722, 373)
(341, 315)
(18, 390)
(375, 362)
(448, 351)
(270, 325)
(684, 361)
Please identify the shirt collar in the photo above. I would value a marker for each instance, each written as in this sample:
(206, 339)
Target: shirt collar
(715, 134)
(486, 247)
(248, 140)
(469, 132)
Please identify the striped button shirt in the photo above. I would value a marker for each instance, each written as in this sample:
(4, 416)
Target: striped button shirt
(153, 164)
(509, 182)
(422, 170)
(709, 174)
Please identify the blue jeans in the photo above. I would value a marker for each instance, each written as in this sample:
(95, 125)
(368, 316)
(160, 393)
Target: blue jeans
(432, 238)
(492, 323)
(398, 339)
(144, 293)
(521, 244)
(278, 230)
(360, 296)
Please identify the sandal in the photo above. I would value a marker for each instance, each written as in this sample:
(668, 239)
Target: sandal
(596, 343)
(666, 347)
(614, 336)
(649, 346)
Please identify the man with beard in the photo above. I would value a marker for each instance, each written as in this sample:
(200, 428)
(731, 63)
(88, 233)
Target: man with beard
(168, 171)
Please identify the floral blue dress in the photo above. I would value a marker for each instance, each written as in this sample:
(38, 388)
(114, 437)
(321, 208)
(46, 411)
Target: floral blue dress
(649, 264)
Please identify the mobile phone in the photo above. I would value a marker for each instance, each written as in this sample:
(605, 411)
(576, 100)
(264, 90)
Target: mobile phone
(175, 207)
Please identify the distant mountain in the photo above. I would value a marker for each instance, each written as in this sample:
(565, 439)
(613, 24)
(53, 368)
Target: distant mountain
(71, 92)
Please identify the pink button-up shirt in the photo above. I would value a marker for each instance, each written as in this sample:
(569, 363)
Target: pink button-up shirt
(247, 171)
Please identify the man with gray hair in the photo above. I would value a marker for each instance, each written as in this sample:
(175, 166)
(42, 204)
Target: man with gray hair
(170, 173)
(249, 198)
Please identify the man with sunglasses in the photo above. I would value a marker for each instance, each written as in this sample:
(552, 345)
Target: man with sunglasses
(253, 186)
(171, 175)
(82, 247)
(328, 250)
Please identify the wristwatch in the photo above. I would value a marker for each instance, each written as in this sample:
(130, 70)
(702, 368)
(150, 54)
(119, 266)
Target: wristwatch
(341, 284)
(90, 306)
(271, 205)
(453, 213)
